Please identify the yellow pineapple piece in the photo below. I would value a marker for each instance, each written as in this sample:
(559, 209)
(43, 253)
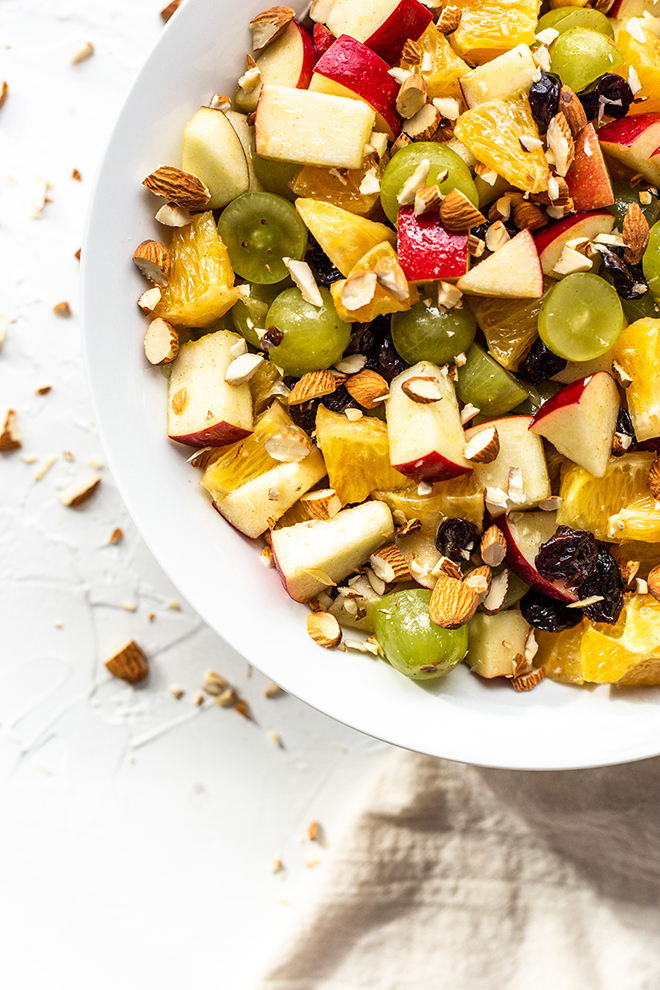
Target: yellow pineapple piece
(243, 461)
(356, 454)
(446, 66)
(201, 285)
(341, 186)
(381, 259)
(559, 654)
(619, 506)
(637, 350)
(458, 497)
(490, 29)
(345, 237)
(492, 132)
(509, 325)
(644, 57)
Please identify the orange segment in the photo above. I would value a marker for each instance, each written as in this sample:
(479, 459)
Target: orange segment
(509, 325)
(341, 186)
(637, 350)
(559, 654)
(241, 462)
(488, 29)
(446, 66)
(644, 57)
(458, 497)
(383, 260)
(343, 236)
(610, 653)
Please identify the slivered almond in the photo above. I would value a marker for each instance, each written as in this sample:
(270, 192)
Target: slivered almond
(177, 186)
(179, 402)
(527, 216)
(269, 25)
(389, 564)
(628, 570)
(220, 102)
(423, 125)
(288, 445)
(654, 479)
(242, 368)
(528, 679)
(324, 629)
(314, 385)
(496, 597)
(4, 92)
(149, 299)
(172, 215)
(484, 446)
(153, 260)
(653, 582)
(303, 276)
(129, 664)
(412, 53)
(635, 234)
(76, 495)
(449, 20)
(82, 53)
(171, 8)
(323, 504)
(161, 342)
(423, 389)
(368, 388)
(560, 142)
(493, 546)
(358, 290)
(426, 199)
(453, 603)
(10, 438)
(458, 214)
(412, 96)
(572, 109)
(480, 578)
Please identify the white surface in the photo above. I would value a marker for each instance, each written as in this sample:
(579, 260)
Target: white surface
(124, 862)
(220, 573)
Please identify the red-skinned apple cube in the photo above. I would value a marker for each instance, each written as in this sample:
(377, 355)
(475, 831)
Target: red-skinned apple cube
(525, 533)
(322, 39)
(633, 141)
(428, 251)
(513, 271)
(550, 241)
(382, 25)
(288, 61)
(518, 449)
(588, 179)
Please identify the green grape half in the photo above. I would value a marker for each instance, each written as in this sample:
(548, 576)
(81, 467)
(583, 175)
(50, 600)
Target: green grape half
(565, 18)
(249, 313)
(441, 159)
(485, 384)
(260, 229)
(428, 333)
(651, 260)
(624, 195)
(314, 336)
(275, 176)
(581, 317)
(581, 56)
(411, 642)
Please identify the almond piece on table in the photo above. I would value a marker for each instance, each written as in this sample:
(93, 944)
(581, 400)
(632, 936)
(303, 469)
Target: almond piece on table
(493, 546)
(153, 260)
(62, 309)
(171, 8)
(130, 663)
(449, 20)
(82, 53)
(458, 214)
(422, 389)
(453, 603)
(80, 493)
(177, 186)
(161, 342)
(412, 96)
(484, 446)
(288, 446)
(10, 438)
(324, 629)
(149, 299)
(368, 388)
(572, 109)
(4, 92)
(635, 234)
(314, 385)
(389, 564)
(269, 25)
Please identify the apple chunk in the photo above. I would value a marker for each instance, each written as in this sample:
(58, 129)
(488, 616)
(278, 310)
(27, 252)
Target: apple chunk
(512, 272)
(525, 534)
(202, 409)
(507, 75)
(383, 25)
(518, 449)
(314, 555)
(580, 421)
(588, 179)
(426, 438)
(551, 241)
(427, 250)
(296, 125)
(212, 151)
(634, 141)
(287, 61)
(494, 642)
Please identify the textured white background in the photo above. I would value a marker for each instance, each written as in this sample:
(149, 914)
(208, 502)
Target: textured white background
(136, 831)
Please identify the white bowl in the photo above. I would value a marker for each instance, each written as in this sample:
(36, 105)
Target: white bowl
(202, 51)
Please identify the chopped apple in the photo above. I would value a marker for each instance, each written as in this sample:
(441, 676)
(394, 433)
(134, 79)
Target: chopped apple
(420, 552)
(213, 152)
(246, 136)
(580, 421)
(323, 38)
(551, 241)
(518, 449)
(508, 74)
(352, 70)
(494, 641)
(345, 237)
(634, 141)
(287, 61)
(295, 125)
(382, 25)
(426, 437)
(588, 179)
(623, 10)
(311, 556)
(427, 250)
(202, 409)
(512, 272)
(525, 534)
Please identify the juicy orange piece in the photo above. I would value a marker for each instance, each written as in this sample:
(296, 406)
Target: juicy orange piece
(345, 237)
(559, 654)
(446, 66)
(383, 260)
(612, 653)
(644, 57)
(509, 325)
(458, 497)
(356, 454)
(241, 462)
(201, 286)
(637, 350)
(341, 186)
(489, 29)
(492, 132)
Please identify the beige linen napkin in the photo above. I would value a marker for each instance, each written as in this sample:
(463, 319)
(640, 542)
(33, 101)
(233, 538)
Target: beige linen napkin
(459, 878)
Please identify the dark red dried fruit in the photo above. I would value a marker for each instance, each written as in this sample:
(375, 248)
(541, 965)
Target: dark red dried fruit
(611, 92)
(304, 414)
(605, 581)
(390, 361)
(323, 269)
(570, 556)
(457, 538)
(628, 280)
(540, 364)
(548, 614)
(544, 99)
(273, 337)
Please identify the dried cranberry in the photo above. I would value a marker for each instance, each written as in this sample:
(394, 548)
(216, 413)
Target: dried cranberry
(390, 361)
(612, 93)
(569, 556)
(339, 400)
(273, 337)
(304, 414)
(548, 614)
(457, 538)
(323, 270)
(540, 364)
(628, 280)
(606, 581)
(544, 99)
(624, 435)
(367, 337)
(481, 230)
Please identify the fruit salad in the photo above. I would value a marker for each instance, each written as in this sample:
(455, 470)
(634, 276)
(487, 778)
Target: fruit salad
(405, 302)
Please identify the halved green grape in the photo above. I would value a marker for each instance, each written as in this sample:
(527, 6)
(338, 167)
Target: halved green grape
(251, 309)
(411, 642)
(581, 56)
(427, 333)
(565, 18)
(259, 230)
(314, 337)
(485, 384)
(536, 396)
(651, 260)
(276, 176)
(441, 159)
(581, 317)
(624, 195)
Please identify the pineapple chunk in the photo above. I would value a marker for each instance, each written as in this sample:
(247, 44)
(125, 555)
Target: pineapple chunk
(489, 29)
(344, 237)
(381, 259)
(201, 285)
(446, 66)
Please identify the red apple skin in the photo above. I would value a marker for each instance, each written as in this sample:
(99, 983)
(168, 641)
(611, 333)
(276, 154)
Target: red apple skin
(569, 395)
(359, 69)
(545, 237)
(588, 179)
(409, 20)
(431, 467)
(628, 129)
(219, 435)
(527, 572)
(323, 39)
(427, 250)
(308, 59)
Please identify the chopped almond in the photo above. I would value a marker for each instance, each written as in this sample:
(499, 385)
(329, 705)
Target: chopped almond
(129, 664)
(80, 493)
(62, 309)
(153, 260)
(324, 629)
(10, 438)
(161, 342)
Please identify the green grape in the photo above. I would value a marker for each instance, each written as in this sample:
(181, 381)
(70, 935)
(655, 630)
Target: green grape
(581, 317)
(275, 176)
(250, 313)
(441, 158)
(639, 309)
(536, 396)
(484, 383)
(427, 333)
(314, 337)
(411, 642)
(581, 56)
(260, 229)
(624, 195)
(651, 260)
(565, 18)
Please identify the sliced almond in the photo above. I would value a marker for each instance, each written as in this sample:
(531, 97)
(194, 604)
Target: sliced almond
(412, 96)
(161, 342)
(273, 690)
(530, 143)
(654, 479)
(427, 199)
(4, 92)
(484, 446)
(129, 664)
(423, 125)
(177, 186)
(358, 290)
(368, 388)
(528, 216)
(468, 412)
(214, 683)
(572, 109)
(412, 53)
(422, 388)
(571, 261)
(453, 603)
(314, 385)
(389, 564)
(449, 20)
(303, 276)
(458, 214)
(80, 493)
(551, 503)
(449, 296)
(390, 276)
(352, 364)
(172, 215)
(560, 142)
(414, 183)
(635, 234)
(269, 25)
(288, 445)
(149, 299)
(220, 102)
(493, 546)
(528, 680)
(448, 107)
(323, 504)
(153, 260)
(62, 309)
(497, 236)
(171, 8)
(10, 438)
(496, 597)
(324, 629)
(653, 582)
(242, 368)
(82, 53)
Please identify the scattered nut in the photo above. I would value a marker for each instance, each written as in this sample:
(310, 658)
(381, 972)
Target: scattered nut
(427, 199)
(75, 174)
(10, 438)
(453, 603)
(116, 536)
(635, 234)
(273, 690)
(653, 582)
(288, 445)
(560, 142)
(172, 215)
(449, 20)
(153, 260)
(389, 564)
(220, 102)
(242, 369)
(324, 629)
(269, 25)
(572, 109)
(314, 385)
(80, 493)
(422, 126)
(422, 389)
(177, 186)
(214, 684)
(161, 342)
(82, 53)
(171, 8)
(129, 664)
(149, 299)
(4, 92)
(458, 214)
(493, 546)
(368, 388)
(528, 680)
(358, 290)
(484, 446)
(303, 277)
(62, 309)
(412, 96)
(412, 53)
(496, 597)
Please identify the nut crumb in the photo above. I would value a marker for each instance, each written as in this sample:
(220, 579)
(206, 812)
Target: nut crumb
(174, 606)
(243, 709)
(276, 865)
(198, 700)
(275, 738)
(129, 664)
(68, 456)
(45, 467)
(10, 437)
(81, 492)
(151, 617)
(75, 174)
(77, 255)
(4, 92)
(214, 684)
(116, 535)
(273, 690)
(227, 699)
(129, 606)
(82, 53)
(311, 863)
(43, 390)
(171, 8)
(177, 692)
(62, 309)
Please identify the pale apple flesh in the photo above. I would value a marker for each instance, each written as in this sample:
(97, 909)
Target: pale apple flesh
(382, 25)
(427, 251)
(588, 179)
(632, 141)
(518, 449)
(494, 642)
(551, 241)
(212, 150)
(288, 61)
(525, 534)
(512, 272)
(504, 76)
